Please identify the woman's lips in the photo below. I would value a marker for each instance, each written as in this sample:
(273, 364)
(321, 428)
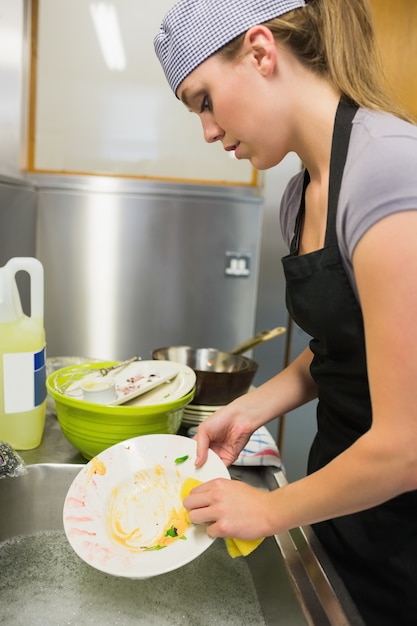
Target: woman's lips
(234, 148)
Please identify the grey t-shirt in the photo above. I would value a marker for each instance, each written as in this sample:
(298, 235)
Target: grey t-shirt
(380, 178)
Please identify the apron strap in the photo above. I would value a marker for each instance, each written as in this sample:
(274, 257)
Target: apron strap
(340, 144)
(295, 242)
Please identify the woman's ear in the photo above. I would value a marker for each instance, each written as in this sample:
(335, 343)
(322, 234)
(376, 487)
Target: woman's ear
(260, 43)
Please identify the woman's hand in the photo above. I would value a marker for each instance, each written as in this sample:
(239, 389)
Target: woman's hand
(224, 434)
(230, 509)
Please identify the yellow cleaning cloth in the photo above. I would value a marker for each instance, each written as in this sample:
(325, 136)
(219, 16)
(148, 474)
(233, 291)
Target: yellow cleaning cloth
(235, 547)
(241, 547)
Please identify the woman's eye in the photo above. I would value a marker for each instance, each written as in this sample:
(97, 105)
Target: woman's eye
(205, 104)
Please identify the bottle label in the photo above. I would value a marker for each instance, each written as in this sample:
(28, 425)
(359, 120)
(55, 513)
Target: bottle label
(24, 377)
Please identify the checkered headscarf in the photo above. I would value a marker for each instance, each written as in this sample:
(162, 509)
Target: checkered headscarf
(193, 30)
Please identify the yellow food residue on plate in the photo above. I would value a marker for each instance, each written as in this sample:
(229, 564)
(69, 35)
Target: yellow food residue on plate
(146, 511)
(95, 467)
(98, 466)
(175, 528)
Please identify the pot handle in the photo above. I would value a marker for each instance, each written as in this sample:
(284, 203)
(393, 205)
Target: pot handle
(264, 335)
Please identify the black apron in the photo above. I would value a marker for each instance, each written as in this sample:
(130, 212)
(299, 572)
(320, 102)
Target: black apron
(374, 551)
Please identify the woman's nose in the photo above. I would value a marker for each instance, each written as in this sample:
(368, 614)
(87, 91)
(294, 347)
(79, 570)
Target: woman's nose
(212, 131)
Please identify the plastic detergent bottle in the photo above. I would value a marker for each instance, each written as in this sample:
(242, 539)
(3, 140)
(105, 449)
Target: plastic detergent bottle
(22, 357)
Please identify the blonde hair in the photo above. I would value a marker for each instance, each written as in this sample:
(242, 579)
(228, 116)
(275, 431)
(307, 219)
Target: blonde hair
(336, 40)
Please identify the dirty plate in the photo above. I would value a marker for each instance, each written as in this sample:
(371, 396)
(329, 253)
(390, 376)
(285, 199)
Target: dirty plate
(123, 512)
(170, 391)
(134, 380)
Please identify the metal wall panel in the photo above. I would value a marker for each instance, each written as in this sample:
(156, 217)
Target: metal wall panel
(139, 266)
(17, 227)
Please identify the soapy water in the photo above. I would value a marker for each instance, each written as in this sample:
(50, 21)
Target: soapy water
(44, 583)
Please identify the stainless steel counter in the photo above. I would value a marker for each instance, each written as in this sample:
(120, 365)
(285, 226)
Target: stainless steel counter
(54, 447)
(294, 580)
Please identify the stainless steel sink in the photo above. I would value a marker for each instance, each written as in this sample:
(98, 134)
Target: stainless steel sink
(285, 581)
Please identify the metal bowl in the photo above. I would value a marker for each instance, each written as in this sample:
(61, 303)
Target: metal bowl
(220, 376)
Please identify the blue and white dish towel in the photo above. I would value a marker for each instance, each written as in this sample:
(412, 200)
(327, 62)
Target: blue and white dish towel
(261, 449)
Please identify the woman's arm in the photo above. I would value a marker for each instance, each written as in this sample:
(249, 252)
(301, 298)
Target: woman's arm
(228, 430)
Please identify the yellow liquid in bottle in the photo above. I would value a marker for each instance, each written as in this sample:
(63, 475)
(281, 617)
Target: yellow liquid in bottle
(22, 383)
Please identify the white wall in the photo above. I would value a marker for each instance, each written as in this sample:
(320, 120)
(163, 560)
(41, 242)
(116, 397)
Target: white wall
(91, 118)
(11, 83)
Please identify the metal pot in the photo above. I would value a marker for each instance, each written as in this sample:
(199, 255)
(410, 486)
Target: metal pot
(220, 376)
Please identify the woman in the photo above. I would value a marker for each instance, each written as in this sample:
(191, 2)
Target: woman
(267, 77)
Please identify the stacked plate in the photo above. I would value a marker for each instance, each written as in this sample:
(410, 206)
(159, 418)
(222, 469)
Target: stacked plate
(141, 383)
(194, 414)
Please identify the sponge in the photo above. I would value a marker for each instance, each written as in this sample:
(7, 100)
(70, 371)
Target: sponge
(186, 488)
(235, 547)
